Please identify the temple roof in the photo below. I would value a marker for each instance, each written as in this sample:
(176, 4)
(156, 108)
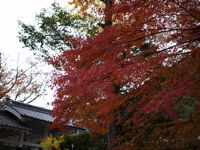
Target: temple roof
(8, 120)
(26, 110)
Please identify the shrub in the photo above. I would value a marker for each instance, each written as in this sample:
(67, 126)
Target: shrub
(84, 142)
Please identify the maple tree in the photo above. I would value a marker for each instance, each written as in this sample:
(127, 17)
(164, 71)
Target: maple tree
(22, 84)
(138, 79)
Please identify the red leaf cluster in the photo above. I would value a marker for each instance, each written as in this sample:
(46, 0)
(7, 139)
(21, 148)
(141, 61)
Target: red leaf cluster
(142, 65)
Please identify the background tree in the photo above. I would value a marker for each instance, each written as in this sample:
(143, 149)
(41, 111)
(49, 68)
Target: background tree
(21, 84)
(57, 30)
(140, 73)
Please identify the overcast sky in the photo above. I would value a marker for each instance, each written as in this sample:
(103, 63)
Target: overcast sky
(10, 12)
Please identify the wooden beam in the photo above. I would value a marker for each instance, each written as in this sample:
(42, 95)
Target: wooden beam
(21, 139)
(31, 144)
(12, 142)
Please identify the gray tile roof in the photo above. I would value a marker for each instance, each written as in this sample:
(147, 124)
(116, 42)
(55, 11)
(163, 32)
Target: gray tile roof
(7, 120)
(27, 110)
(18, 111)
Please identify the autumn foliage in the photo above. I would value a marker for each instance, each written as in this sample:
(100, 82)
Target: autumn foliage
(140, 76)
(21, 83)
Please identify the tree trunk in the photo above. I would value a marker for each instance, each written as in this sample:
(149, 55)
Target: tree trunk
(111, 135)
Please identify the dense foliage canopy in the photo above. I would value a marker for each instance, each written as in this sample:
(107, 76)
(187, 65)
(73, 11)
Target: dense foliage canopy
(139, 79)
(55, 31)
